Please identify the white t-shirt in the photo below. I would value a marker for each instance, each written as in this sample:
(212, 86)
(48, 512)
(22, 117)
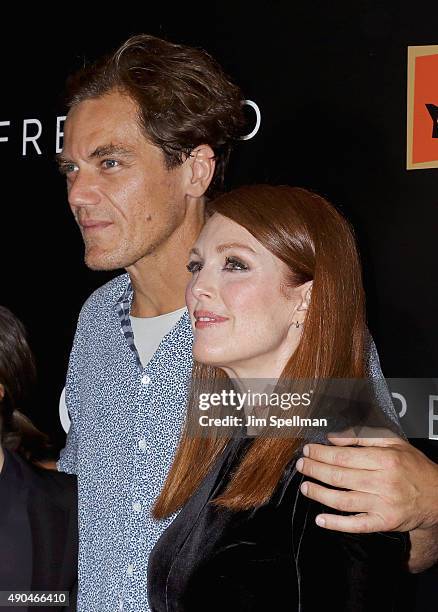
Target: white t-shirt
(149, 331)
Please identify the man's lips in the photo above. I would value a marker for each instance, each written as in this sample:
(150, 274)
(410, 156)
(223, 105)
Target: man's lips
(206, 318)
(94, 225)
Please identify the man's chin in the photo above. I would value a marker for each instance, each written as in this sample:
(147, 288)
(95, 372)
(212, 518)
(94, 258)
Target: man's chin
(101, 263)
(106, 260)
(101, 267)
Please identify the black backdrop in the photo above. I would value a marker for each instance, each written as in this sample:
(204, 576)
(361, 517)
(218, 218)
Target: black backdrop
(330, 80)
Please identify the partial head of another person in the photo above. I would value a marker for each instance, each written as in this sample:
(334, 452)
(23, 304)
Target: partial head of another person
(17, 385)
(148, 135)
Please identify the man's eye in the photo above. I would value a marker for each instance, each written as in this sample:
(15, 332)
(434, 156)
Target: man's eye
(231, 263)
(194, 266)
(110, 163)
(67, 168)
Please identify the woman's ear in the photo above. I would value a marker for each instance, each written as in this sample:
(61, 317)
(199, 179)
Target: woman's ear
(305, 295)
(304, 292)
(200, 168)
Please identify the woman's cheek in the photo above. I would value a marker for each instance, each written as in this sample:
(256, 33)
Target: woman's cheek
(243, 295)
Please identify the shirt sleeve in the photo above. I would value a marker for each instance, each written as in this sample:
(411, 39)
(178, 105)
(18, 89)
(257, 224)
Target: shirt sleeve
(69, 455)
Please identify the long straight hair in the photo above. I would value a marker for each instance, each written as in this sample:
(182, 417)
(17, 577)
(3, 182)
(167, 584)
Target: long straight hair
(316, 243)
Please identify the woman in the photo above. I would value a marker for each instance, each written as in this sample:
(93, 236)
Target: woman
(276, 293)
(38, 509)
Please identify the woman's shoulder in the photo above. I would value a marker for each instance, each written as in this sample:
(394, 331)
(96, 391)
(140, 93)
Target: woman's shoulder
(342, 551)
(361, 571)
(303, 512)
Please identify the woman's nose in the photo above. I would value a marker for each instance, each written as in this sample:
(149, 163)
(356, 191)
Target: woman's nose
(203, 284)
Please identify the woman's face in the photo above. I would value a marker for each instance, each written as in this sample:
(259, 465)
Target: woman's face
(243, 315)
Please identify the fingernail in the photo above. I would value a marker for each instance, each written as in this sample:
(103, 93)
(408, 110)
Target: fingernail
(304, 488)
(306, 451)
(300, 464)
(320, 521)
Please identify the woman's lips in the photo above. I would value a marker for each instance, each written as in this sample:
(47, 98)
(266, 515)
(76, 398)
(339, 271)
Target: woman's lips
(206, 318)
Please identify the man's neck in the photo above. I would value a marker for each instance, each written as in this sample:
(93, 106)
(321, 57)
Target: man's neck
(159, 280)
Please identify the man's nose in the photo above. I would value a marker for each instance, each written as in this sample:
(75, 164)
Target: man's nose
(83, 190)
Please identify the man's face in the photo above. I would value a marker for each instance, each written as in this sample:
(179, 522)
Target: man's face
(125, 200)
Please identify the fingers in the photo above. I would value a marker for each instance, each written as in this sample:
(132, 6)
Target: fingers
(345, 478)
(361, 458)
(345, 501)
(358, 523)
(366, 440)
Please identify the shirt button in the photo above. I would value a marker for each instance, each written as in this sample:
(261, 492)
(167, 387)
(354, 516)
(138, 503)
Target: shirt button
(130, 570)
(142, 444)
(136, 506)
(145, 380)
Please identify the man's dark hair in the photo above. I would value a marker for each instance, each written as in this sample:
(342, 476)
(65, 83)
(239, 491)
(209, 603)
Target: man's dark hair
(18, 375)
(183, 96)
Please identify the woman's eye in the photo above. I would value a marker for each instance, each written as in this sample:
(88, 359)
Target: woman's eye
(231, 263)
(110, 163)
(194, 266)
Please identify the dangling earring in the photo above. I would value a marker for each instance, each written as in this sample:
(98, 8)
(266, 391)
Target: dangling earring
(297, 324)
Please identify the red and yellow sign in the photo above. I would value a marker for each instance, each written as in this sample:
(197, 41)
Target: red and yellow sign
(422, 140)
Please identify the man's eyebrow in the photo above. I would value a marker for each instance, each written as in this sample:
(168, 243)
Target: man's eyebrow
(103, 151)
(225, 247)
(111, 149)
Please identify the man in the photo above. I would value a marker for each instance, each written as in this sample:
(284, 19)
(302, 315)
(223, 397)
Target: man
(148, 132)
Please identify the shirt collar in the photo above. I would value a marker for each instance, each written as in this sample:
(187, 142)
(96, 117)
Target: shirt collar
(127, 294)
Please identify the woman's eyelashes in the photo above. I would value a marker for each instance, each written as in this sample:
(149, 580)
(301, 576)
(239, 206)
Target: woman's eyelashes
(194, 266)
(231, 264)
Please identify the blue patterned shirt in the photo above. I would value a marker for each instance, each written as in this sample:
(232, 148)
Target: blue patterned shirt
(125, 425)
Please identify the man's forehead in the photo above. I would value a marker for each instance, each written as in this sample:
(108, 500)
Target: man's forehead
(110, 113)
(97, 114)
(94, 124)
(107, 105)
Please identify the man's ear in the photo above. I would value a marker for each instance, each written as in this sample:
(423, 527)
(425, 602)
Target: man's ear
(2, 392)
(200, 169)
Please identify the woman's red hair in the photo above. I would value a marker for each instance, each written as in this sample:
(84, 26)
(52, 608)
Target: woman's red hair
(316, 243)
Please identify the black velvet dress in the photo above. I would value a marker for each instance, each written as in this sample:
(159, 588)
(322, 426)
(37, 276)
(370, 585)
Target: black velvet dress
(271, 558)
